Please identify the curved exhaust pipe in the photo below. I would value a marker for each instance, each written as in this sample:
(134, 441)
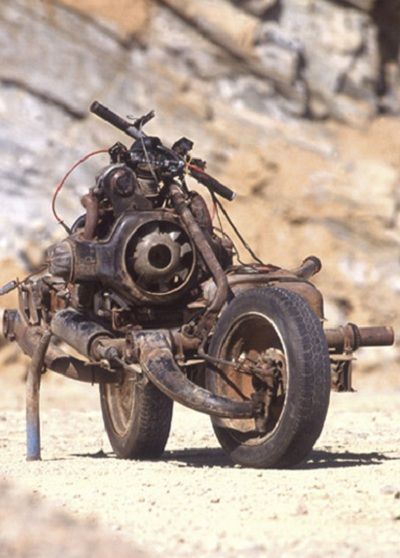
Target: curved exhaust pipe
(152, 349)
(158, 363)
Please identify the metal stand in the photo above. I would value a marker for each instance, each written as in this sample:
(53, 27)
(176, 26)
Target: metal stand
(32, 399)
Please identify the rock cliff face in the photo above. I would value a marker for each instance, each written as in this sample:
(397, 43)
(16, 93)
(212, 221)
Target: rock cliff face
(293, 102)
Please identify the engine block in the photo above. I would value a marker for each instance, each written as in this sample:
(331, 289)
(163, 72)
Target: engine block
(148, 257)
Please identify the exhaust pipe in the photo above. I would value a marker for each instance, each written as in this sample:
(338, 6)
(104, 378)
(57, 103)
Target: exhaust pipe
(28, 337)
(153, 350)
(352, 337)
(157, 361)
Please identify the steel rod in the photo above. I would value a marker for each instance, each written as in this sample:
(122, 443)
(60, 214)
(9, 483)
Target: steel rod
(32, 399)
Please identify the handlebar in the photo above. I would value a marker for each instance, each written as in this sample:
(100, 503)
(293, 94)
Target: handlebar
(134, 130)
(212, 183)
(112, 118)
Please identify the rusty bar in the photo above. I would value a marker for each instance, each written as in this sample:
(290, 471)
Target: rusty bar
(203, 247)
(76, 330)
(352, 337)
(32, 398)
(159, 365)
(57, 360)
(91, 204)
(308, 267)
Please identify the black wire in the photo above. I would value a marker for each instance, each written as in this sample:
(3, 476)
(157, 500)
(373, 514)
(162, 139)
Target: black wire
(237, 232)
(152, 171)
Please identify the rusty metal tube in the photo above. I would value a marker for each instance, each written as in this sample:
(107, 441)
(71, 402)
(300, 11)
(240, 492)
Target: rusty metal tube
(79, 332)
(204, 248)
(158, 363)
(57, 360)
(91, 204)
(352, 337)
(32, 398)
(308, 267)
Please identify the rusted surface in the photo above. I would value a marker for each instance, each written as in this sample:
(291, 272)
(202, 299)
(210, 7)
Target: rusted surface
(28, 338)
(254, 368)
(352, 337)
(310, 266)
(138, 286)
(32, 398)
(158, 363)
(283, 280)
(204, 248)
(76, 330)
(91, 204)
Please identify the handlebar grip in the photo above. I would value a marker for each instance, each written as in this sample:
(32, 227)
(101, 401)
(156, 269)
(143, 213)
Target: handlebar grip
(112, 118)
(212, 184)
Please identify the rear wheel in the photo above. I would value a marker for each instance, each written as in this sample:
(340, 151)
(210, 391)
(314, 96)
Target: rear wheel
(279, 357)
(137, 417)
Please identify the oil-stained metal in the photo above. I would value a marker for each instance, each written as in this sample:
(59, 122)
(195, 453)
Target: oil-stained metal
(76, 330)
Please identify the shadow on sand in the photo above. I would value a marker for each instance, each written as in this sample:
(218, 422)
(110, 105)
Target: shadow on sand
(215, 457)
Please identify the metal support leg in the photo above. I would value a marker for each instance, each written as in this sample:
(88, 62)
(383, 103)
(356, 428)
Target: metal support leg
(32, 399)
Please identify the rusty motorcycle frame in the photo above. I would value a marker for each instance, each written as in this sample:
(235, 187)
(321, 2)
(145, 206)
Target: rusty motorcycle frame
(155, 300)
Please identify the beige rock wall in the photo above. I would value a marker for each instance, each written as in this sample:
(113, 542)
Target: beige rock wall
(306, 183)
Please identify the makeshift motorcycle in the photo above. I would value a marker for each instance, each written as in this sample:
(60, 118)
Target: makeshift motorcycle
(160, 307)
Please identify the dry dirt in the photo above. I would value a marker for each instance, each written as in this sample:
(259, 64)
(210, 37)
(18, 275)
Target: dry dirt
(344, 501)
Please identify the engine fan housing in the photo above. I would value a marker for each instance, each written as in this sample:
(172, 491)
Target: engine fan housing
(160, 257)
(148, 258)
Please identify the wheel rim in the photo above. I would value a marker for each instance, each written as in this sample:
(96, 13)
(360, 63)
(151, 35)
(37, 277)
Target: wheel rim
(252, 340)
(120, 401)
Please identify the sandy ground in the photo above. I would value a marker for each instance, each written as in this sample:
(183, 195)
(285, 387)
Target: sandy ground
(344, 501)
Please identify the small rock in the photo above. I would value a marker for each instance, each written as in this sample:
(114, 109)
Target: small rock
(390, 489)
(301, 509)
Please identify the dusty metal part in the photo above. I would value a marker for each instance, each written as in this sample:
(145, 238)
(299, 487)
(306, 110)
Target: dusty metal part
(252, 365)
(204, 248)
(161, 257)
(32, 398)
(354, 337)
(91, 204)
(157, 361)
(309, 266)
(111, 261)
(107, 348)
(10, 318)
(56, 359)
(200, 212)
(60, 258)
(284, 280)
(76, 330)
(8, 287)
(343, 341)
(342, 372)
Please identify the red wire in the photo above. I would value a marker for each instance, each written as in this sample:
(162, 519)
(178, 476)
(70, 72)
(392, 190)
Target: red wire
(63, 180)
(196, 168)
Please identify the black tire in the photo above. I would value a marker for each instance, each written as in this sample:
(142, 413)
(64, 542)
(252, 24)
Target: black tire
(137, 418)
(272, 321)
